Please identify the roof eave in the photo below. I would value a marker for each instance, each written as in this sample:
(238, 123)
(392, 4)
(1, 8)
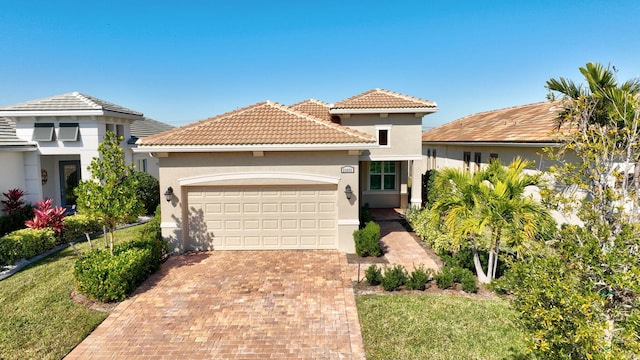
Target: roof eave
(235, 148)
(416, 110)
(26, 113)
(496, 143)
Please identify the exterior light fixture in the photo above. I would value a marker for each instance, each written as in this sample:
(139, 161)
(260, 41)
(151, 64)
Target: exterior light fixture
(168, 195)
(348, 192)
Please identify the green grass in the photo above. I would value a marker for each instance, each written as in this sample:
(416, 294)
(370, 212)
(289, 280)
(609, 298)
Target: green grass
(38, 320)
(437, 327)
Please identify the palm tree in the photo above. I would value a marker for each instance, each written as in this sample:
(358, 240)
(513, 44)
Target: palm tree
(488, 211)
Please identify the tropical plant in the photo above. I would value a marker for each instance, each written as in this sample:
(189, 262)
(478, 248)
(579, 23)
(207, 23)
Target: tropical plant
(47, 216)
(110, 197)
(147, 191)
(14, 201)
(487, 210)
(581, 298)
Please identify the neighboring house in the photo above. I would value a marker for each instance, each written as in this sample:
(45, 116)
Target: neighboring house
(270, 176)
(141, 128)
(47, 144)
(475, 140)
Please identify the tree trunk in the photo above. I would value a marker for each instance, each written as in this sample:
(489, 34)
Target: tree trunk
(111, 240)
(482, 277)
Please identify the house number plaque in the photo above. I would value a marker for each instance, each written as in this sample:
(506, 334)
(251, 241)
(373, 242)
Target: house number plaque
(347, 170)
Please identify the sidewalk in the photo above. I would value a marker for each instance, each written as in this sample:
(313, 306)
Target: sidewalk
(399, 245)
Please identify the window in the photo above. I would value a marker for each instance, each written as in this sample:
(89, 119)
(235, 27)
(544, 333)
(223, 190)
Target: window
(382, 175)
(433, 159)
(68, 132)
(466, 158)
(493, 157)
(383, 137)
(43, 132)
(477, 159)
(142, 165)
(428, 159)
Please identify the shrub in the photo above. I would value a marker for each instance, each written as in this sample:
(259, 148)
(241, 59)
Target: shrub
(368, 240)
(15, 221)
(373, 274)
(418, 278)
(25, 244)
(147, 191)
(47, 216)
(394, 277)
(444, 278)
(13, 202)
(107, 277)
(468, 282)
(365, 216)
(77, 225)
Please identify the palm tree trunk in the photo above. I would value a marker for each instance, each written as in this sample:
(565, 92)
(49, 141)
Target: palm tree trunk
(482, 277)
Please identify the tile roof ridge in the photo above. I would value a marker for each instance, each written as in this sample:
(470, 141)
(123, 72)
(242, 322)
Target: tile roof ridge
(403, 96)
(326, 123)
(508, 108)
(86, 99)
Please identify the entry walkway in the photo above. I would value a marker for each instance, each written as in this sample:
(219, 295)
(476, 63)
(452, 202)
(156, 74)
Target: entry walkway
(399, 245)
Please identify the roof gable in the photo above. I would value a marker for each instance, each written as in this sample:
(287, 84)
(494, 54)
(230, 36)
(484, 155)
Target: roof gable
(64, 103)
(526, 123)
(379, 99)
(315, 108)
(265, 123)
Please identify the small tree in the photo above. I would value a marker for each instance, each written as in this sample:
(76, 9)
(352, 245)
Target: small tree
(581, 298)
(110, 197)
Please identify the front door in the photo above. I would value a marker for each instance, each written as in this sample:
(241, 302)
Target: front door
(69, 179)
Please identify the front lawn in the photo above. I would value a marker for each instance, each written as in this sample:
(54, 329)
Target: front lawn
(437, 327)
(38, 319)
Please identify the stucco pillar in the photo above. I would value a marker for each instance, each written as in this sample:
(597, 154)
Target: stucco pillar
(416, 183)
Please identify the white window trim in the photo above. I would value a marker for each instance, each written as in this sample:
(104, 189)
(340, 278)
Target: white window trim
(384, 127)
(382, 174)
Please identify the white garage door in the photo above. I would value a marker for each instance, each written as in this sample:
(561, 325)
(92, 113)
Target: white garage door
(267, 217)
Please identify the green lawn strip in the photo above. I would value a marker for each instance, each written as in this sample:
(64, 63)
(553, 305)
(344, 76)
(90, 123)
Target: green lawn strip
(437, 327)
(38, 319)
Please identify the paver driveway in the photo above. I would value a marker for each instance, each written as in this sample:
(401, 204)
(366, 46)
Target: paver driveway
(236, 305)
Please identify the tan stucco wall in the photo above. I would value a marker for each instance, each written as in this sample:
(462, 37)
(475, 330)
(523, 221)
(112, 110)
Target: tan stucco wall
(405, 135)
(194, 168)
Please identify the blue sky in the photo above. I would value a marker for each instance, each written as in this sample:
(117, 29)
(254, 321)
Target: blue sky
(182, 61)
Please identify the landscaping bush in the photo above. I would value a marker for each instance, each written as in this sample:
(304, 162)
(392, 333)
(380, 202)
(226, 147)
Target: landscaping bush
(77, 225)
(47, 216)
(365, 216)
(468, 282)
(444, 278)
(418, 278)
(107, 277)
(373, 274)
(25, 244)
(147, 191)
(368, 240)
(394, 277)
(15, 221)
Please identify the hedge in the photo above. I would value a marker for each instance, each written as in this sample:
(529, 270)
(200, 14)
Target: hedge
(25, 244)
(368, 240)
(77, 225)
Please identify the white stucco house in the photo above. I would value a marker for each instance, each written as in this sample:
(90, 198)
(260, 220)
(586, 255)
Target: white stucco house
(270, 176)
(47, 144)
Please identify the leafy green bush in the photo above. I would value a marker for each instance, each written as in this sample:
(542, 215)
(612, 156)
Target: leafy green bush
(368, 240)
(444, 278)
(77, 225)
(394, 277)
(468, 281)
(373, 274)
(108, 278)
(365, 216)
(147, 191)
(418, 278)
(16, 220)
(25, 244)
(111, 278)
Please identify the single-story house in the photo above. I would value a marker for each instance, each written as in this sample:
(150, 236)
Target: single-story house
(46, 145)
(474, 140)
(270, 176)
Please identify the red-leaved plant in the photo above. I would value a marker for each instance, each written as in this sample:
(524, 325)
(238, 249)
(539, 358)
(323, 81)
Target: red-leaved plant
(13, 202)
(47, 216)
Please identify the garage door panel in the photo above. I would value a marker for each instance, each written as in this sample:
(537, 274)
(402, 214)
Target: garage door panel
(270, 217)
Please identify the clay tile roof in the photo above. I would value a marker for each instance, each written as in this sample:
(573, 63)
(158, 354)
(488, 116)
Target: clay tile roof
(383, 99)
(265, 123)
(316, 108)
(527, 123)
(69, 102)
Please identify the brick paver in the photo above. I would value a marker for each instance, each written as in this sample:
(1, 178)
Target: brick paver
(236, 305)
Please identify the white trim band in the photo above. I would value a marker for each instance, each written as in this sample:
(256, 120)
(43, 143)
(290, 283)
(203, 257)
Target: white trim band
(194, 180)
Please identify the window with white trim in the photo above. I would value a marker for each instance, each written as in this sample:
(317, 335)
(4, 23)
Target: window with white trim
(477, 159)
(43, 132)
(68, 132)
(382, 175)
(384, 135)
(466, 158)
